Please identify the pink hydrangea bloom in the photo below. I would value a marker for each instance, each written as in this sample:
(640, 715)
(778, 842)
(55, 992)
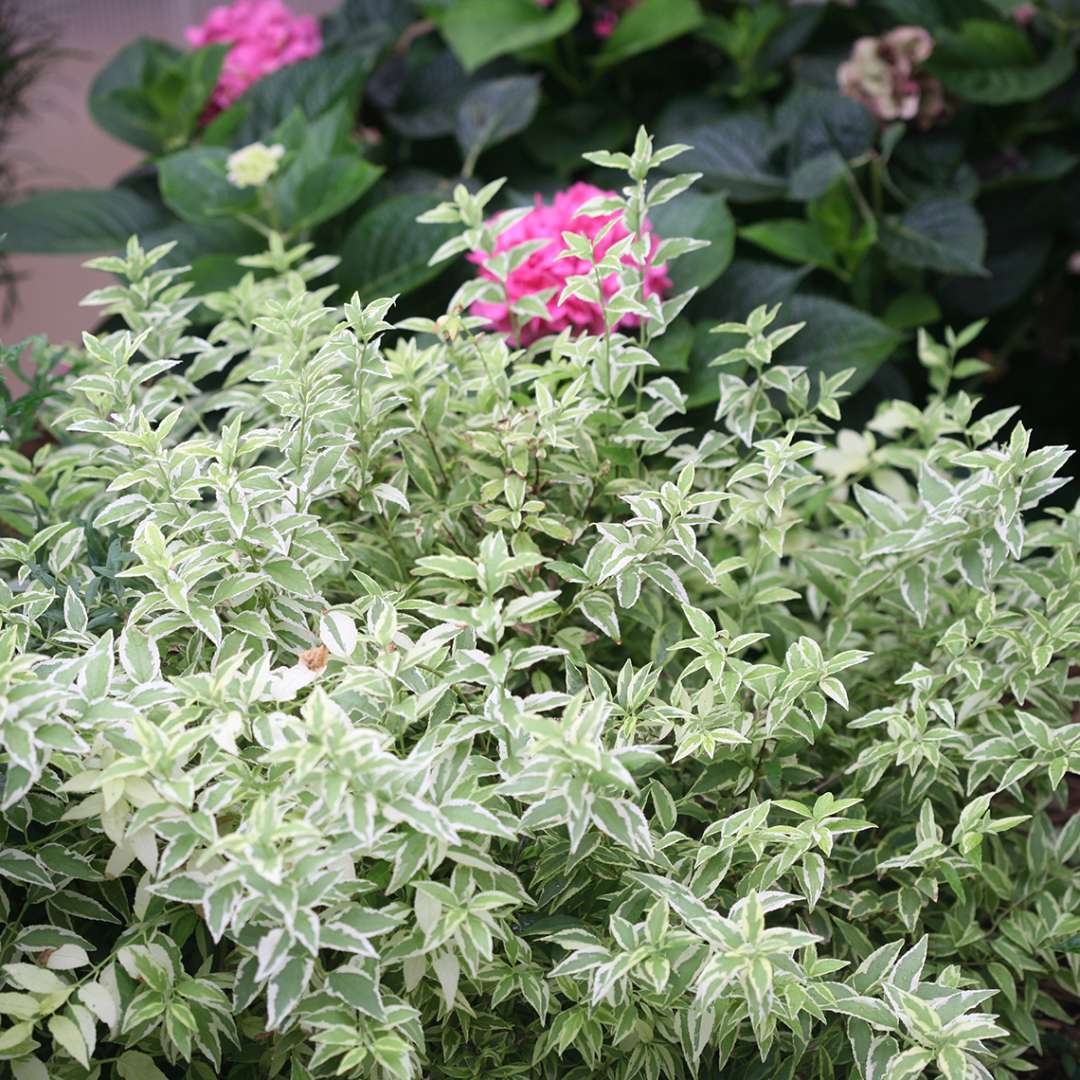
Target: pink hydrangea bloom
(545, 270)
(883, 74)
(264, 34)
(1023, 14)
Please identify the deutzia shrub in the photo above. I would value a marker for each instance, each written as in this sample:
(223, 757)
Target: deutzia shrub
(384, 701)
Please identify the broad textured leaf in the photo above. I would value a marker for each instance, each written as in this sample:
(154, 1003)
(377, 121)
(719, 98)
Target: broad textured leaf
(195, 185)
(480, 30)
(495, 110)
(83, 221)
(945, 234)
(387, 251)
(992, 63)
(647, 25)
(732, 151)
(313, 86)
(836, 337)
(703, 217)
(151, 94)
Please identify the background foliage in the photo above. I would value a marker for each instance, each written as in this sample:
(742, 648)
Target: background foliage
(866, 230)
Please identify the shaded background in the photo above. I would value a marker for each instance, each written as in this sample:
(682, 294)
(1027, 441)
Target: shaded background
(60, 146)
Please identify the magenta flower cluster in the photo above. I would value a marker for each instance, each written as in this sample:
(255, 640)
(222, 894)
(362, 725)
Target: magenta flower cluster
(264, 35)
(545, 269)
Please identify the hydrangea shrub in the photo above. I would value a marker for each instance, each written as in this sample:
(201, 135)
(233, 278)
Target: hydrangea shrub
(381, 700)
(543, 267)
(261, 36)
(875, 167)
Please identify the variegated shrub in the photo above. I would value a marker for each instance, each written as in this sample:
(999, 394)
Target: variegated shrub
(382, 701)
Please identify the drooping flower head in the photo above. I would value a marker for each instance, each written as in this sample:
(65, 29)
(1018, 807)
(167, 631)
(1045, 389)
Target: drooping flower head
(264, 35)
(883, 74)
(544, 269)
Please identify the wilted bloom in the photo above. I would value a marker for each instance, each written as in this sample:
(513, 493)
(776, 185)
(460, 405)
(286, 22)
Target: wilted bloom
(264, 34)
(545, 270)
(1023, 14)
(253, 165)
(883, 74)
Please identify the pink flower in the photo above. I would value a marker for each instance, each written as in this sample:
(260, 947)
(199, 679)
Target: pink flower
(606, 15)
(264, 34)
(544, 269)
(1023, 14)
(883, 75)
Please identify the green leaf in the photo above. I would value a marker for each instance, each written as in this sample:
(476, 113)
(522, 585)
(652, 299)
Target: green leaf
(647, 25)
(324, 174)
(358, 989)
(433, 84)
(368, 25)
(818, 124)
(151, 94)
(624, 822)
(286, 988)
(868, 1009)
(732, 151)
(836, 337)
(84, 221)
(792, 239)
(133, 1065)
(315, 189)
(702, 217)
(991, 63)
(599, 609)
(494, 111)
(911, 309)
(386, 251)
(559, 136)
(311, 86)
(944, 234)
(67, 1034)
(289, 575)
(22, 867)
(480, 30)
(672, 349)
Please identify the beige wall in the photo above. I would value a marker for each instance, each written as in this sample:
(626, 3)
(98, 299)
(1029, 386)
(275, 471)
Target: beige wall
(60, 146)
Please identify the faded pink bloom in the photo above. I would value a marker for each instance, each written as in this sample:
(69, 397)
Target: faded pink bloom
(264, 34)
(883, 74)
(545, 270)
(1024, 13)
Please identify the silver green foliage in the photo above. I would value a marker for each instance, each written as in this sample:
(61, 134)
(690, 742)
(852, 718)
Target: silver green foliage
(383, 701)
